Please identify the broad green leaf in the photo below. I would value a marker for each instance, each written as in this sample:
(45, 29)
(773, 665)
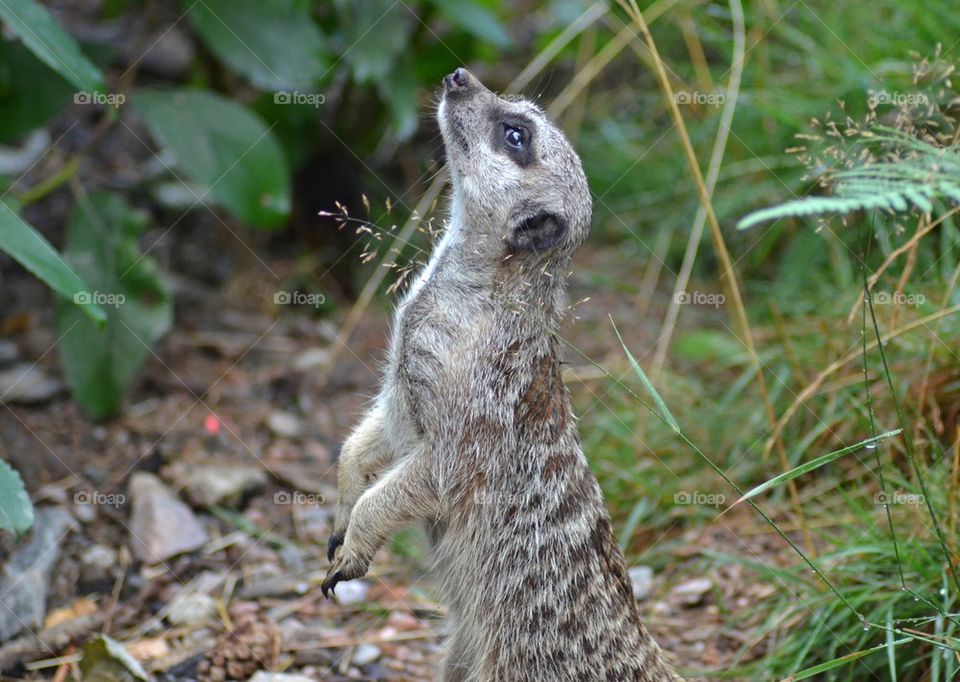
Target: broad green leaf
(16, 510)
(843, 660)
(273, 43)
(647, 384)
(475, 19)
(30, 93)
(43, 36)
(816, 463)
(223, 146)
(99, 363)
(399, 90)
(29, 248)
(375, 34)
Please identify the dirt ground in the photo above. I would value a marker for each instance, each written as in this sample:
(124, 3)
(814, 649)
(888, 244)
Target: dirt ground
(237, 395)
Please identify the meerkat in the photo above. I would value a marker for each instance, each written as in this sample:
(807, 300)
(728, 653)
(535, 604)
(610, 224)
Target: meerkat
(472, 432)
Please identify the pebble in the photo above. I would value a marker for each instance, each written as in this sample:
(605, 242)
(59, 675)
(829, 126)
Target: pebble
(352, 591)
(27, 384)
(284, 424)
(365, 654)
(8, 352)
(263, 676)
(692, 591)
(188, 607)
(641, 577)
(208, 485)
(161, 526)
(25, 579)
(97, 562)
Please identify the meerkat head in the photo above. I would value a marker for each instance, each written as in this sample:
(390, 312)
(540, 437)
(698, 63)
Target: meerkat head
(514, 173)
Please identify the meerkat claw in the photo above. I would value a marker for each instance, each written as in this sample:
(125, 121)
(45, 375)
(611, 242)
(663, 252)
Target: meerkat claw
(335, 541)
(330, 584)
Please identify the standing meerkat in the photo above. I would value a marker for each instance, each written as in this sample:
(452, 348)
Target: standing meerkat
(472, 432)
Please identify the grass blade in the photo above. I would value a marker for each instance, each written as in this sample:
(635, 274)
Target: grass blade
(843, 660)
(813, 464)
(665, 413)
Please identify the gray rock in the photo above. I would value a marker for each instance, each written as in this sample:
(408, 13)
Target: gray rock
(284, 424)
(210, 484)
(365, 654)
(352, 592)
(641, 577)
(27, 384)
(8, 352)
(97, 563)
(189, 607)
(263, 676)
(692, 591)
(26, 575)
(161, 526)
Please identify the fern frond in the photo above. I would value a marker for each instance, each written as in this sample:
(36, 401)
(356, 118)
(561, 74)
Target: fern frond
(912, 176)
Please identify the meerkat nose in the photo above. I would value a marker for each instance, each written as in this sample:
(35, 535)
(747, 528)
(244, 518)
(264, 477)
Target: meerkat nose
(458, 80)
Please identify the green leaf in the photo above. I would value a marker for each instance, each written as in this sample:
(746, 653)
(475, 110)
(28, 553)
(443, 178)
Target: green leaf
(273, 43)
(100, 362)
(665, 413)
(223, 146)
(476, 20)
(50, 43)
(29, 248)
(16, 510)
(106, 660)
(375, 34)
(399, 90)
(814, 464)
(843, 660)
(30, 93)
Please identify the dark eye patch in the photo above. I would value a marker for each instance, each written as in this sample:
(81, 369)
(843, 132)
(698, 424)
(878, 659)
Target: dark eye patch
(513, 136)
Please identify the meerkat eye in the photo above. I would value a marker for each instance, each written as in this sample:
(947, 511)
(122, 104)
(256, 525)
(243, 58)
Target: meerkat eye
(515, 137)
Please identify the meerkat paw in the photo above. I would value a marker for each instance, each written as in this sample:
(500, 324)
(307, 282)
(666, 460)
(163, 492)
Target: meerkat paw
(344, 566)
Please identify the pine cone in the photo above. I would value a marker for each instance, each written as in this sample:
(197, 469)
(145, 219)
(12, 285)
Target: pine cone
(252, 645)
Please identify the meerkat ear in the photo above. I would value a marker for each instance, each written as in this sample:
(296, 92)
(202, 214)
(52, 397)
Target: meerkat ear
(538, 232)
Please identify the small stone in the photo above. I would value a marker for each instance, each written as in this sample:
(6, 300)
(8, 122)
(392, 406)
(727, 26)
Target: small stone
(365, 654)
(311, 358)
(161, 526)
(25, 579)
(692, 591)
(188, 607)
(208, 485)
(27, 385)
(352, 592)
(284, 424)
(641, 577)
(97, 562)
(8, 352)
(263, 676)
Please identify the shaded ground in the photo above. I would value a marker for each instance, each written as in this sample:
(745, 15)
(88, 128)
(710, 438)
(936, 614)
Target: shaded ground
(234, 390)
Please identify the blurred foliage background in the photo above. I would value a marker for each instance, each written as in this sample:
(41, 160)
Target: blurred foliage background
(262, 125)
